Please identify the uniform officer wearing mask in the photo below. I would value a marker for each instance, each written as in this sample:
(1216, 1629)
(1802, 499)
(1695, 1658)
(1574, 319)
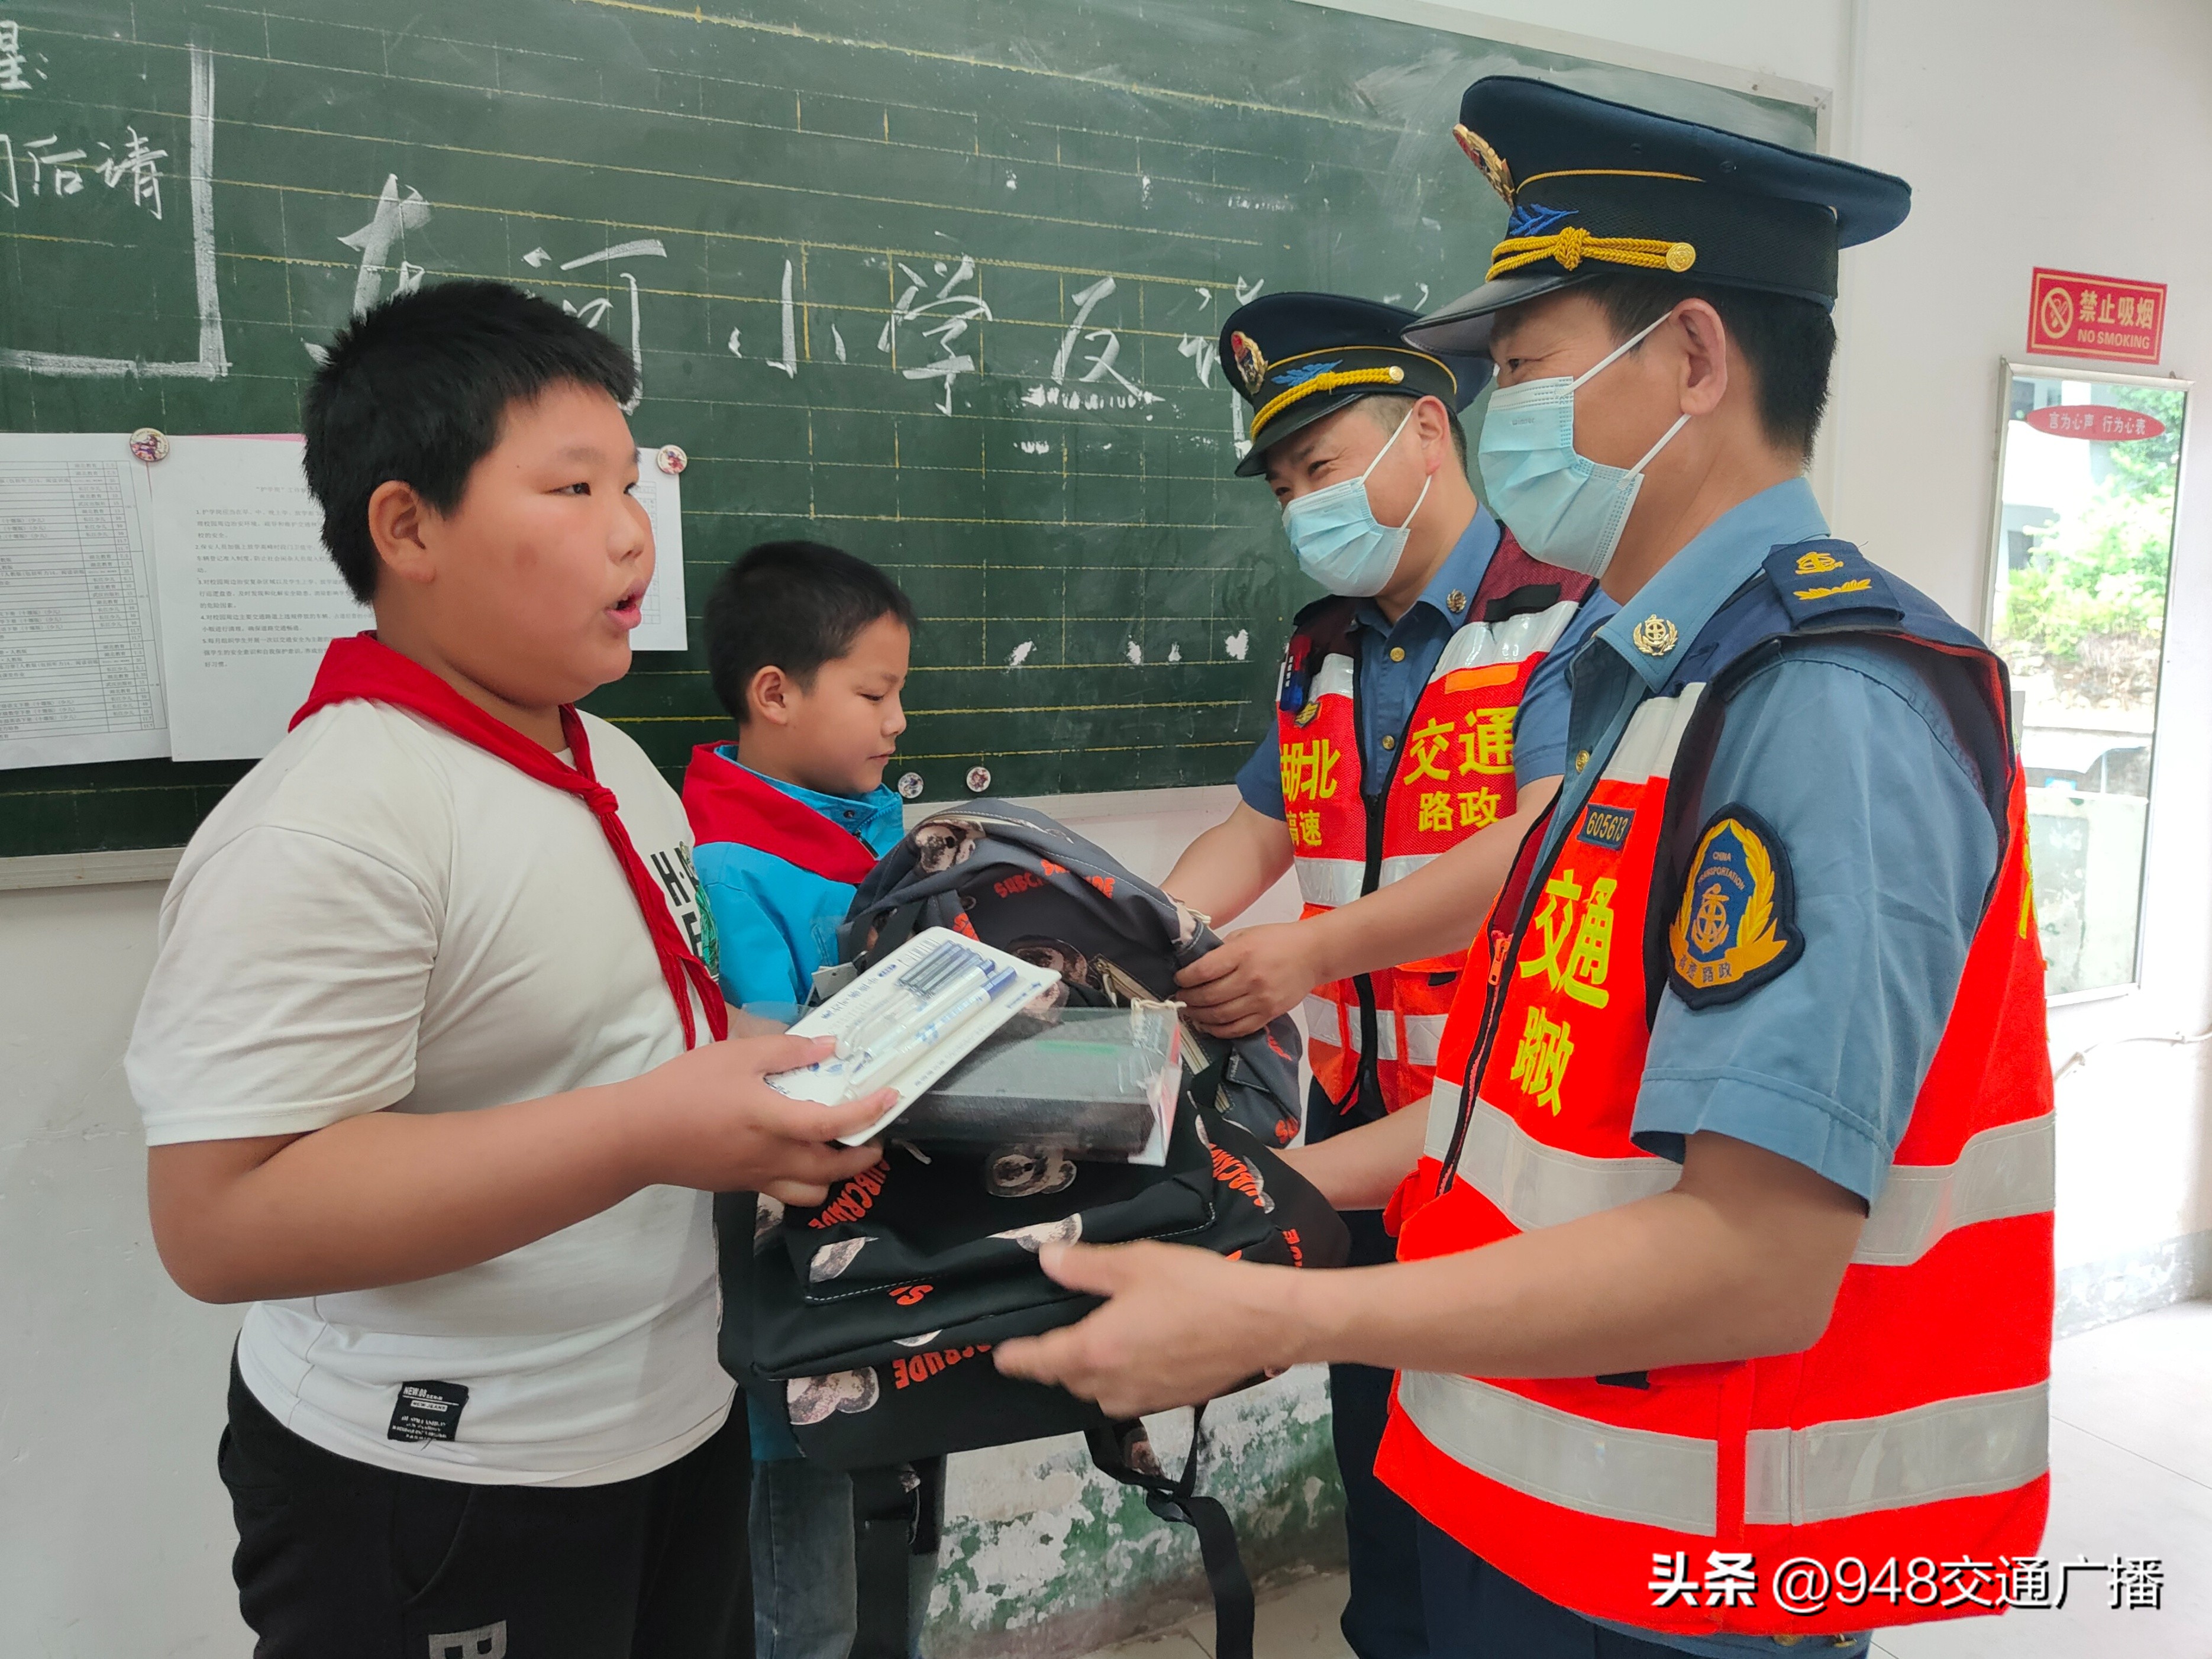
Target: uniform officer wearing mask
(1420, 725)
(1726, 1269)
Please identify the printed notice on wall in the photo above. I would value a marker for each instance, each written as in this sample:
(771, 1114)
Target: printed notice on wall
(249, 596)
(80, 673)
(183, 607)
(661, 627)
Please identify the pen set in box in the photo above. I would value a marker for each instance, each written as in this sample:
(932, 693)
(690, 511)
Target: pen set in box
(937, 1017)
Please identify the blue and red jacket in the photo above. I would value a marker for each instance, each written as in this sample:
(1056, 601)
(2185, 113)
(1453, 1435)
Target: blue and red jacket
(778, 864)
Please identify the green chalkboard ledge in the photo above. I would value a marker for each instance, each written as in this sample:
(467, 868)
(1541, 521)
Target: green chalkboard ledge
(108, 869)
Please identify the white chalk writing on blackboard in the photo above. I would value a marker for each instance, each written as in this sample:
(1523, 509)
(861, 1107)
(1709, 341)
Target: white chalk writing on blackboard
(1059, 394)
(48, 164)
(11, 58)
(949, 314)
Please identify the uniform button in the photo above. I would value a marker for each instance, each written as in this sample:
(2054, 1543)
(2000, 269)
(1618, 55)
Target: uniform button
(1390, 743)
(1582, 759)
(1397, 654)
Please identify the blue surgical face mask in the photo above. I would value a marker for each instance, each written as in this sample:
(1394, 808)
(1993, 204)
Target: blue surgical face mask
(1562, 506)
(1339, 541)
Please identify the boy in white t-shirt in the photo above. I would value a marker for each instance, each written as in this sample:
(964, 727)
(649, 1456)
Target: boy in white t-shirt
(427, 1062)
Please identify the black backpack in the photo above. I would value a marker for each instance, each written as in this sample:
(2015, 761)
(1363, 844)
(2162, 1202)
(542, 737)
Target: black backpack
(870, 1319)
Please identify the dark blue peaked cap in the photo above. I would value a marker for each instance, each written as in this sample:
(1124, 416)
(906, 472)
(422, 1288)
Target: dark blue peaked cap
(1595, 186)
(1296, 357)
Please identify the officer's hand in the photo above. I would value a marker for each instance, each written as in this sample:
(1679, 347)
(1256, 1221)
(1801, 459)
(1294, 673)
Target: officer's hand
(1251, 976)
(1179, 1326)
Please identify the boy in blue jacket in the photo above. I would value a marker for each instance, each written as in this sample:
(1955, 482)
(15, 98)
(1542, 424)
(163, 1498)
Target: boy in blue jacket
(807, 649)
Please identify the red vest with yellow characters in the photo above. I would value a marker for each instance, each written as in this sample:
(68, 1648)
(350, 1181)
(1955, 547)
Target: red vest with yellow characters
(1885, 1474)
(1450, 773)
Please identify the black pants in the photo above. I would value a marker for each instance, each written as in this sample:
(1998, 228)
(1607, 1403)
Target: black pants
(1478, 1613)
(337, 1559)
(1382, 1613)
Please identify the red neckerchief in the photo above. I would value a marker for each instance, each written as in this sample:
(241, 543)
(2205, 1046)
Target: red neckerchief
(726, 801)
(364, 667)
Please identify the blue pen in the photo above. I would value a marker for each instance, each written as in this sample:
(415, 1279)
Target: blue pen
(913, 1038)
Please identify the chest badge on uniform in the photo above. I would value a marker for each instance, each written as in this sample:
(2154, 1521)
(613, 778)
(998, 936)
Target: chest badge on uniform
(1654, 636)
(1737, 928)
(1305, 716)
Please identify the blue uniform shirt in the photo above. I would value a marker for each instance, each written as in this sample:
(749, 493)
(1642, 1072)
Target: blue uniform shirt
(1844, 747)
(1388, 689)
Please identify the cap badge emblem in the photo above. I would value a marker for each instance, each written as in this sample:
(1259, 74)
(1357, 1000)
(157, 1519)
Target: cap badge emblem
(1654, 636)
(1492, 163)
(1250, 362)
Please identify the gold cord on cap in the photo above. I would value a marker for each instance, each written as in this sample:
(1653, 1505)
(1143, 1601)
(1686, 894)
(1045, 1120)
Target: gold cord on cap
(1571, 247)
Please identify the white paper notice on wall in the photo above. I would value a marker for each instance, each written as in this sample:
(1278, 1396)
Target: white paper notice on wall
(249, 598)
(80, 668)
(662, 626)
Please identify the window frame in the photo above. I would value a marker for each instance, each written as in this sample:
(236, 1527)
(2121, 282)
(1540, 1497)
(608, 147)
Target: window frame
(2011, 370)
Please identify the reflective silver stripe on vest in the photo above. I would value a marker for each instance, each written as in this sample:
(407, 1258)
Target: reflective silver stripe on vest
(1386, 1034)
(1540, 1185)
(2005, 1171)
(1333, 678)
(1646, 749)
(1398, 869)
(1331, 881)
(2009, 1170)
(1425, 1034)
(1479, 644)
(1320, 1020)
(1622, 1474)
(1443, 1117)
(1964, 1448)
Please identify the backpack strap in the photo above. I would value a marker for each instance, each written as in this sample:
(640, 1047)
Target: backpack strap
(1114, 1449)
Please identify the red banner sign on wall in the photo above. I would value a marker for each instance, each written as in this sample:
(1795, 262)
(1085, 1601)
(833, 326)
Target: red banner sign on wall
(2073, 315)
(2098, 423)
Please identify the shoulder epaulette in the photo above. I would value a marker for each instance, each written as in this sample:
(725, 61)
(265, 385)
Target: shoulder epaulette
(1822, 579)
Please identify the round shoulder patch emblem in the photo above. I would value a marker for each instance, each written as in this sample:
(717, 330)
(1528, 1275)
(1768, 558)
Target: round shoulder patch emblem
(1737, 927)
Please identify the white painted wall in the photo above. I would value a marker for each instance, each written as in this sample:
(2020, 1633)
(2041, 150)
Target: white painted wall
(113, 1537)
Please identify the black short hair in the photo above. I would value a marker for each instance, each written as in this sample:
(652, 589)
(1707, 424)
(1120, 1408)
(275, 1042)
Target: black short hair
(793, 605)
(415, 390)
(1790, 343)
(1381, 404)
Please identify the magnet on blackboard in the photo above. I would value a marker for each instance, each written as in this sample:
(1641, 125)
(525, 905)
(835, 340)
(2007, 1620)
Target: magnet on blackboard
(910, 786)
(670, 458)
(150, 445)
(979, 779)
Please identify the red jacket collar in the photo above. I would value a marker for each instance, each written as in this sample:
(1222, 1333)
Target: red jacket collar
(729, 802)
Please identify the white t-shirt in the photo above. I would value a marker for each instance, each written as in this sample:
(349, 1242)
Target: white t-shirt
(383, 916)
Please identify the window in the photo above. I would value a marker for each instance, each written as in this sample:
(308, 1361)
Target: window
(2083, 543)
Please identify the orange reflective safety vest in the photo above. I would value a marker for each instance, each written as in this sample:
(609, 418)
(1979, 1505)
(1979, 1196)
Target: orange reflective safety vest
(1450, 774)
(1914, 1431)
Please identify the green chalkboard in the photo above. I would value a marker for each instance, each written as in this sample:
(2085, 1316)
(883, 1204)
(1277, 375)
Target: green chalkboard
(936, 281)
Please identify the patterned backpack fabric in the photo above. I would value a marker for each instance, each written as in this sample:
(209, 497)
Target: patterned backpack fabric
(869, 1319)
(1016, 880)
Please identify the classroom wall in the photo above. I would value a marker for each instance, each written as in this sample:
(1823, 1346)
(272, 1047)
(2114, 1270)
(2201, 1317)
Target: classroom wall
(2036, 132)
